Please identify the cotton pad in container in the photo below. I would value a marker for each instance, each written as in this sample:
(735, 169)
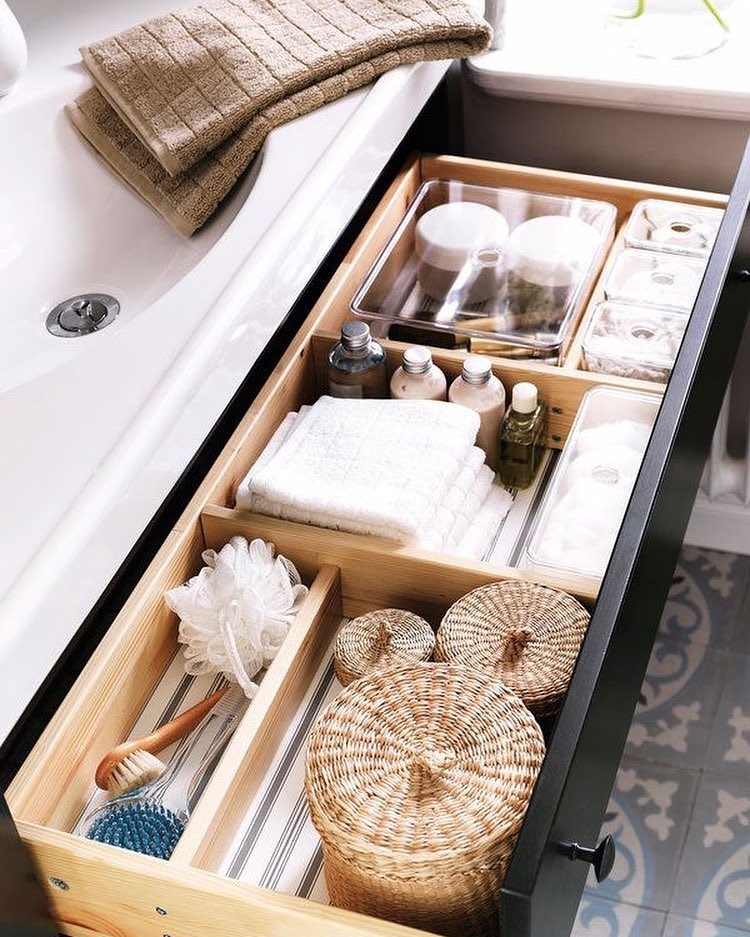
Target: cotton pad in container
(656, 224)
(666, 280)
(588, 494)
(623, 432)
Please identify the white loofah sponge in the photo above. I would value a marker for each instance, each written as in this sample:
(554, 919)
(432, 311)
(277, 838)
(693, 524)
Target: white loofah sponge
(236, 612)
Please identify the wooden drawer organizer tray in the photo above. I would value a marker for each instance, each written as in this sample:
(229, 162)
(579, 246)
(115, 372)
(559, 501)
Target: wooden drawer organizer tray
(115, 892)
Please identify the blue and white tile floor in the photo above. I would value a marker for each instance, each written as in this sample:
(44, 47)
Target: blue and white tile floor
(680, 808)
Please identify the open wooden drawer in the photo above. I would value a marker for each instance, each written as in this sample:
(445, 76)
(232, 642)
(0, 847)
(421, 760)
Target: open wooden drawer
(97, 889)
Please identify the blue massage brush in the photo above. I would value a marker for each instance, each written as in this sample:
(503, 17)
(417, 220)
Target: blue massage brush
(151, 819)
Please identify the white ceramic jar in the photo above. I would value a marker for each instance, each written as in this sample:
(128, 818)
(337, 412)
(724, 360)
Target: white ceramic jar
(547, 258)
(460, 251)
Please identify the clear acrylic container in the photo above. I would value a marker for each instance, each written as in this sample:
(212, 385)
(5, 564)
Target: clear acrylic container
(496, 264)
(673, 227)
(584, 504)
(640, 342)
(655, 279)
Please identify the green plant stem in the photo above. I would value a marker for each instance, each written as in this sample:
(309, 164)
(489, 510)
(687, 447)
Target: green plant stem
(640, 9)
(711, 7)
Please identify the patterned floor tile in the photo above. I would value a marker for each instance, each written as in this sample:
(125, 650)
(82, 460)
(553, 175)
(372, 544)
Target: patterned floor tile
(713, 882)
(598, 917)
(706, 597)
(678, 926)
(729, 751)
(679, 698)
(647, 815)
(741, 635)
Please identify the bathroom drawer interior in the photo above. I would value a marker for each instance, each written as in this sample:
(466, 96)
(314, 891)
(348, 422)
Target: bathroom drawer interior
(251, 821)
(347, 573)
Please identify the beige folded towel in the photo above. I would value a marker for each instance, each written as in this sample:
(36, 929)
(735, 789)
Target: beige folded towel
(182, 103)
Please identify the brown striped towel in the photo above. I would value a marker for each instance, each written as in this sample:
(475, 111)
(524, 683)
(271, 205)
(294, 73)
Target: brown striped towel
(182, 103)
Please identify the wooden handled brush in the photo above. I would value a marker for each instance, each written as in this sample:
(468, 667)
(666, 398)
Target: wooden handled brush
(132, 764)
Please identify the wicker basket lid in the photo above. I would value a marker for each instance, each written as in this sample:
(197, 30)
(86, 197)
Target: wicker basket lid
(526, 634)
(381, 639)
(415, 768)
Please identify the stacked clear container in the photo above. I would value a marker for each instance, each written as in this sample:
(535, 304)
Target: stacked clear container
(584, 504)
(503, 269)
(651, 287)
(639, 342)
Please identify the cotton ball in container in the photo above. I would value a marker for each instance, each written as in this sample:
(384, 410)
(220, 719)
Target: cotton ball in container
(616, 433)
(617, 463)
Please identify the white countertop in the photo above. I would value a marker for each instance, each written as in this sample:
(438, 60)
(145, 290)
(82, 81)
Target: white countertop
(141, 402)
(563, 51)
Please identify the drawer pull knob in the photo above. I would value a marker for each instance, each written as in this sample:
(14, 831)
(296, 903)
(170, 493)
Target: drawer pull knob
(602, 858)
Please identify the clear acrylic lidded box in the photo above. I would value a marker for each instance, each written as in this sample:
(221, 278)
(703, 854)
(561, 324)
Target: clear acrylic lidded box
(673, 227)
(585, 502)
(639, 342)
(503, 265)
(655, 278)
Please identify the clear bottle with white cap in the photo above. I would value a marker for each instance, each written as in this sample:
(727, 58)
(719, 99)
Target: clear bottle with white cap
(418, 378)
(356, 365)
(522, 437)
(478, 389)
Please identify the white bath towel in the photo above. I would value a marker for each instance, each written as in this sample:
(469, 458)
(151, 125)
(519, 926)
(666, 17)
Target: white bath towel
(406, 470)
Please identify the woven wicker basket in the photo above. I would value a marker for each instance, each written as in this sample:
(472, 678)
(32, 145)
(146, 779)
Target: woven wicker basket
(525, 634)
(385, 638)
(418, 779)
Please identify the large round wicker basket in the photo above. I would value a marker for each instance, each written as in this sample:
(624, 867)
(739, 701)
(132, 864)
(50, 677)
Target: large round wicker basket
(418, 779)
(525, 634)
(389, 637)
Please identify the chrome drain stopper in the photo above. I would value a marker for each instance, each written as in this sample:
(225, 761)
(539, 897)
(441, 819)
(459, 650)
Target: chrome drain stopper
(82, 315)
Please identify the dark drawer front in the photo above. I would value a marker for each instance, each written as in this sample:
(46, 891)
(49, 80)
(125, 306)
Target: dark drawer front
(543, 886)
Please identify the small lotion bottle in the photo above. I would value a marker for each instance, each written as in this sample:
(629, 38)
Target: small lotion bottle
(522, 437)
(478, 389)
(418, 378)
(356, 365)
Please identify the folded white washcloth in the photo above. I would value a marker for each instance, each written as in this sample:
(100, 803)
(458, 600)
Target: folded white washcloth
(479, 534)
(400, 469)
(244, 499)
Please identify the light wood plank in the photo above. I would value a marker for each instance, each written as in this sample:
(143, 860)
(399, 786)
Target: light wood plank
(116, 892)
(247, 756)
(574, 358)
(104, 702)
(375, 573)
(623, 194)
(562, 389)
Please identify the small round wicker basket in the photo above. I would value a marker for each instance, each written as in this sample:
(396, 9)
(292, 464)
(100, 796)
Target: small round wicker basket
(386, 638)
(525, 634)
(418, 779)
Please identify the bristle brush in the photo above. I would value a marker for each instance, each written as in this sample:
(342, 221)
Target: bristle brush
(133, 763)
(151, 819)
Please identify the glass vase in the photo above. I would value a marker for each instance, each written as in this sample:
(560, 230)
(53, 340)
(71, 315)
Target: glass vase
(670, 29)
